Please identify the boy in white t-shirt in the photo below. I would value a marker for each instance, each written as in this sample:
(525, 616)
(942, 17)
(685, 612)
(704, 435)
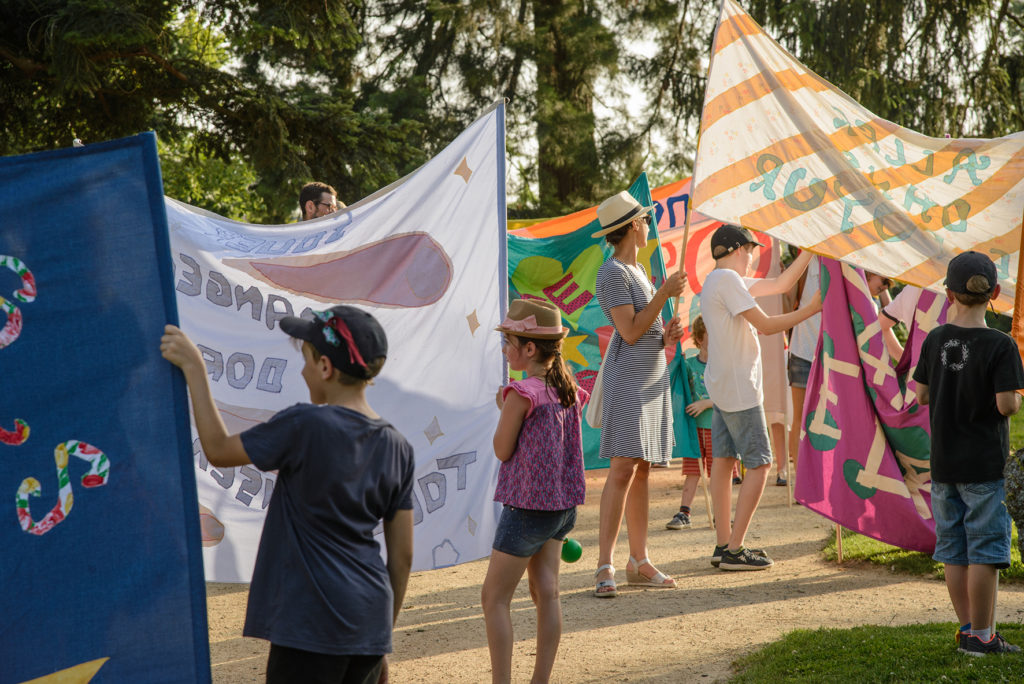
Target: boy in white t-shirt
(733, 379)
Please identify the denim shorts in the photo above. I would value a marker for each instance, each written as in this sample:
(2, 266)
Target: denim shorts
(972, 526)
(522, 532)
(741, 434)
(798, 371)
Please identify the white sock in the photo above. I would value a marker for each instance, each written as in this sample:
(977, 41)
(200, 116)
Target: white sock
(983, 634)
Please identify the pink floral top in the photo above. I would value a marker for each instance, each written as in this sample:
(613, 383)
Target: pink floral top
(545, 472)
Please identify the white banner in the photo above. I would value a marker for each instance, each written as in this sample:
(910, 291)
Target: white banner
(426, 256)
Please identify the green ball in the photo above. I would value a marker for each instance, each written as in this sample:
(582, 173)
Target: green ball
(571, 550)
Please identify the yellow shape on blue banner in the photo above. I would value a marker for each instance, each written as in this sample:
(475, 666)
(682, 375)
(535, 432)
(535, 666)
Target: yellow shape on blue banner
(571, 350)
(79, 674)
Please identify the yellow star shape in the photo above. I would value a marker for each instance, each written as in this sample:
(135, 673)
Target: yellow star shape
(463, 170)
(571, 350)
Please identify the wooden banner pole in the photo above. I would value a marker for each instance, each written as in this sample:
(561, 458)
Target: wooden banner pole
(704, 486)
(1017, 326)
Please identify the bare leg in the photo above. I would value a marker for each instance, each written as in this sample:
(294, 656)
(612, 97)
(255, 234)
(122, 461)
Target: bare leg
(746, 503)
(778, 436)
(637, 517)
(981, 592)
(689, 490)
(721, 497)
(503, 574)
(613, 504)
(798, 416)
(543, 573)
(956, 584)
(637, 511)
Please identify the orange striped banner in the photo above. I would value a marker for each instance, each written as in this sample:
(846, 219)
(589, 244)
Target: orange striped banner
(785, 152)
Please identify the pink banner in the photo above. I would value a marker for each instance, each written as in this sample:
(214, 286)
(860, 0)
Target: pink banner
(864, 457)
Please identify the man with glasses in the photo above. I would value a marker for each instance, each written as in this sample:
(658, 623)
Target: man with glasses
(318, 199)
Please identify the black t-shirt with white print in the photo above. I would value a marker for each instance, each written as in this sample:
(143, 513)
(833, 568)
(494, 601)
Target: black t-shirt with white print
(964, 368)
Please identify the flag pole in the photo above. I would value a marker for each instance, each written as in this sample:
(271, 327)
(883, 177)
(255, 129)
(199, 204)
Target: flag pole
(686, 239)
(1017, 326)
(696, 156)
(790, 468)
(704, 486)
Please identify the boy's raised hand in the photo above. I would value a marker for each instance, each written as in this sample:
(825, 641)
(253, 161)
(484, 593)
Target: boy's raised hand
(176, 347)
(815, 303)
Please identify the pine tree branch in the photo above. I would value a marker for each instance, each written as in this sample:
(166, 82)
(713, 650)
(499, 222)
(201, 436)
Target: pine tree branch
(27, 66)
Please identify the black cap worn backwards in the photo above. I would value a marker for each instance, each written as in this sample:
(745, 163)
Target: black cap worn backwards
(349, 337)
(728, 238)
(966, 265)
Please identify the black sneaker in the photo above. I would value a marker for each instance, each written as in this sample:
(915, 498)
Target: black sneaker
(716, 555)
(974, 646)
(679, 521)
(744, 559)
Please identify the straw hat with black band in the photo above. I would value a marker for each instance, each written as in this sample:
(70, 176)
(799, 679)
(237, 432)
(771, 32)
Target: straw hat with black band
(617, 211)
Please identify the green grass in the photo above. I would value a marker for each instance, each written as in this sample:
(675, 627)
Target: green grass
(860, 549)
(913, 653)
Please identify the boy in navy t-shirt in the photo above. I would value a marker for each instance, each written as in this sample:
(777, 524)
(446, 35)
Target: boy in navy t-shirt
(968, 374)
(320, 593)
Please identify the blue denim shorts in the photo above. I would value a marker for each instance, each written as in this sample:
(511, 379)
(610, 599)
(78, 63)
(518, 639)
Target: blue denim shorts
(798, 371)
(741, 434)
(972, 526)
(522, 532)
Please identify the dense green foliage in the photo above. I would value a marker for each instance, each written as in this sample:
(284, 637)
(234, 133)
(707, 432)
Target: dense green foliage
(266, 84)
(942, 66)
(252, 98)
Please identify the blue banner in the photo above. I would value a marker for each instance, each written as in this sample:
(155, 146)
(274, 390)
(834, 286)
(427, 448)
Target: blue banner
(100, 564)
(563, 270)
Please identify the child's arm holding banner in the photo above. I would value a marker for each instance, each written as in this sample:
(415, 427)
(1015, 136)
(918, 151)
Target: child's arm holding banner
(221, 449)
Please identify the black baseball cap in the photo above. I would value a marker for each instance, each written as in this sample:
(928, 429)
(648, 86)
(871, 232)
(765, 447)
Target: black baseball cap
(351, 338)
(966, 265)
(728, 238)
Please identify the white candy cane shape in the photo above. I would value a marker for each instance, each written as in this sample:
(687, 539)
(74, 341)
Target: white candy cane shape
(27, 293)
(99, 471)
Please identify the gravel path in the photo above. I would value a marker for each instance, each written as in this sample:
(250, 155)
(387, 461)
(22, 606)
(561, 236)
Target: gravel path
(689, 634)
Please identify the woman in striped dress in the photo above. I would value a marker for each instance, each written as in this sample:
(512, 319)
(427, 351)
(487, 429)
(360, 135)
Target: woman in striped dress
(636, 415)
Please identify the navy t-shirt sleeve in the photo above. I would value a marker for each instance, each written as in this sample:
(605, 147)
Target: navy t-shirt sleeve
(271, 445)
(403, 498)
(1009, 374)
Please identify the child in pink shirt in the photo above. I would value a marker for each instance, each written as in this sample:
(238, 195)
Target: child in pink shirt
(540, 482)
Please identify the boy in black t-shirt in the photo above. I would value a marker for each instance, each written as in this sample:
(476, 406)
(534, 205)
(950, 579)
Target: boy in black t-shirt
(320, 592)
(968, 373)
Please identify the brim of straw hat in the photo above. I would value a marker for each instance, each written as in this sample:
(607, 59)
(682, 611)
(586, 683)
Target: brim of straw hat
(534, 336)
(621, 222)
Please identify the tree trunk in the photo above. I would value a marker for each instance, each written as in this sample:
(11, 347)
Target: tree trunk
(567, 152)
